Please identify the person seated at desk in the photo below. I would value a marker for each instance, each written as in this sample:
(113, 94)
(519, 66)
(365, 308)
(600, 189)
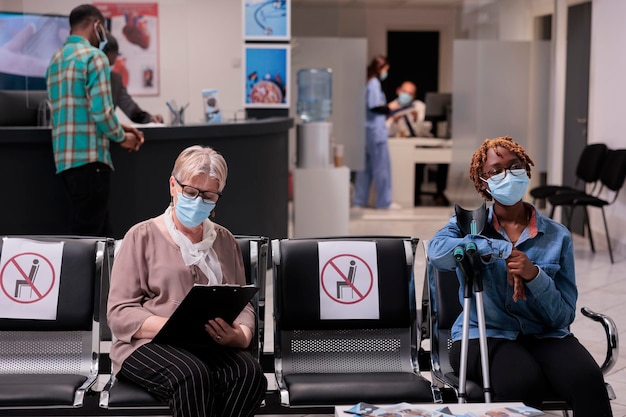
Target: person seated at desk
(158, 263)
(408, 121)
(121, 98)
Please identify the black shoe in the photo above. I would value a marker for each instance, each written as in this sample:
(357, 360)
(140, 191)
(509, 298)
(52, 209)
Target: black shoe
(441, 200)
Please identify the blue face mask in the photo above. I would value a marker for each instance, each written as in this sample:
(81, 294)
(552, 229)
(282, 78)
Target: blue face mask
(102, 39)
(510, 190)
(405, 99)
(192, 211)
(383, 76)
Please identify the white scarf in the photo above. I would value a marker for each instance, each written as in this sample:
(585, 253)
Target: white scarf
(202, 253)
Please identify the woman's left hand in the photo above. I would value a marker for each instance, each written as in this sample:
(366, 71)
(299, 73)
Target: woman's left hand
(227, 335)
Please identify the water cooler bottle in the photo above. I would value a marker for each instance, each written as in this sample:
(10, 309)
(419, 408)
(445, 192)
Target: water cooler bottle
(321, 190)
(314, 108)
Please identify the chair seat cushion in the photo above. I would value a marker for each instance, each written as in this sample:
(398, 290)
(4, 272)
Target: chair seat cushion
(545, 191)
(126, 394)
(343, 389)
(565, 198)
(34, 390)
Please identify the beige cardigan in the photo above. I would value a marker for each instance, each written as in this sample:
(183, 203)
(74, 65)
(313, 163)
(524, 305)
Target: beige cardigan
(150, 278)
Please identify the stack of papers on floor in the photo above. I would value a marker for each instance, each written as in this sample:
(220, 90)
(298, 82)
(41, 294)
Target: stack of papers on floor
(406, 409)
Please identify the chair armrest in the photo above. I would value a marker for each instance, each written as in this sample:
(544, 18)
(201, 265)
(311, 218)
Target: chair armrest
(612, 339)
(104, 394)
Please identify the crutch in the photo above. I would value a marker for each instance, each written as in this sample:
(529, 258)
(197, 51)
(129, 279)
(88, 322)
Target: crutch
(468, 260)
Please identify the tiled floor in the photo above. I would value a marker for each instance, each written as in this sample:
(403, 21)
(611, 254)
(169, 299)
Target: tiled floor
(602, 287)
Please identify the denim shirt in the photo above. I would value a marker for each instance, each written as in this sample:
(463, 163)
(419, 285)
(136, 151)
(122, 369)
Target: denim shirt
(550, 304)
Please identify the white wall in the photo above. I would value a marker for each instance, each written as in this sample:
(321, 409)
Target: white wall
(606, 112)
(373, 22)
(201, 45)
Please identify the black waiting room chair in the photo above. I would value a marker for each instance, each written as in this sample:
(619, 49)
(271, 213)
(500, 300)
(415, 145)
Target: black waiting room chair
(444, 305)
(341, 344)
(612, 179)
(121, 394)
(52, 362)
(588, 170)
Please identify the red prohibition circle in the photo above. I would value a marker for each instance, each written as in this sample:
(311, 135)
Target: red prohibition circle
(347, 302)
(13, 260)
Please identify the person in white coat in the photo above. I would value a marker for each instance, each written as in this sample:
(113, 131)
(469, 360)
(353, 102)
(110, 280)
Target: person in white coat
(408, 121)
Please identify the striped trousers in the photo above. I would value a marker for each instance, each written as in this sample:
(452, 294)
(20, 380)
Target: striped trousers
(199, 382)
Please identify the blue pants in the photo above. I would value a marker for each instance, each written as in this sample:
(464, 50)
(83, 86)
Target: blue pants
(377, 170)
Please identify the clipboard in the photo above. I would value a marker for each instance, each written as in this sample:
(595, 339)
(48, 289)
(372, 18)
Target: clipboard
(185, 327)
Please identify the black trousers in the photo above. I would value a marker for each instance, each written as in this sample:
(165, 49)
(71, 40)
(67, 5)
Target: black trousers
(205, 382)
(87, 188)
(527, 368)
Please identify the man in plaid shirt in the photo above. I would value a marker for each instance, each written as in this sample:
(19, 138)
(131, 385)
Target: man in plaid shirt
(84, 121)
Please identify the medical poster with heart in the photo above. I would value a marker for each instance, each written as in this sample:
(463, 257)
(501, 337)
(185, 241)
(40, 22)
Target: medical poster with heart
(136, 28)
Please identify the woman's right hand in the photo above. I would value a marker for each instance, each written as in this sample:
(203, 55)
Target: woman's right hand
(150, 327)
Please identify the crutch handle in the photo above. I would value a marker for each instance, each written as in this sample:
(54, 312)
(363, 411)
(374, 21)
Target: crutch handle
(463, 263)
(471, 250)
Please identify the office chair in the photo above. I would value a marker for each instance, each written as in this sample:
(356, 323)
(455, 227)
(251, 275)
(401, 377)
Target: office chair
(612, 179)
(588, 170)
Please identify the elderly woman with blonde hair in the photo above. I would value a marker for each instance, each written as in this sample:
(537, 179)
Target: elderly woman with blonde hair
(157, 264)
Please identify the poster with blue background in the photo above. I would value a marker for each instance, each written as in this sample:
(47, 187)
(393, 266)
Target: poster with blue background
(266, 75)
(267, 20)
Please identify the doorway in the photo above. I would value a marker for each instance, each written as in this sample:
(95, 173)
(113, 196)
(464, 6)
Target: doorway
(413, 56)
(576, 95)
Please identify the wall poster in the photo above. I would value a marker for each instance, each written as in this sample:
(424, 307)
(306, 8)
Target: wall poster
(136, 28)
(267, 68)
(266, 20)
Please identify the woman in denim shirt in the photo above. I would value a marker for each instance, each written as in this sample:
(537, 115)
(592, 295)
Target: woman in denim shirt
(529, 292)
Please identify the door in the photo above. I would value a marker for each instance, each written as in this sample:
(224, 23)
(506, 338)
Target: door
(413, 56)
(576, 95)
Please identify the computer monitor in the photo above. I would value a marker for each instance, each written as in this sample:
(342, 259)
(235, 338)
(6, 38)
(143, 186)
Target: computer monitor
(438, 104)
(27, 43)
(21, 107)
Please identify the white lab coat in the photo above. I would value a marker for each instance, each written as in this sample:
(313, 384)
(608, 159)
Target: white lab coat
(397, 123)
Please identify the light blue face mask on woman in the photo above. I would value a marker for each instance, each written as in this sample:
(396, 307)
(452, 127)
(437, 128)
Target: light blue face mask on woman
(511, 189)
(192, 211)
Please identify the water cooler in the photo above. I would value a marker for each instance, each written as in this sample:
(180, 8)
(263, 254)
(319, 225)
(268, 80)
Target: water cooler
(321, 190)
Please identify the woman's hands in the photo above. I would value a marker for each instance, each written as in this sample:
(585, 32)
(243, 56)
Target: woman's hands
(236, 336)
(520, 269)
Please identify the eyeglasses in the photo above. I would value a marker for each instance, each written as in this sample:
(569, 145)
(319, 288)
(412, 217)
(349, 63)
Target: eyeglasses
(498, 175)
(193, 192)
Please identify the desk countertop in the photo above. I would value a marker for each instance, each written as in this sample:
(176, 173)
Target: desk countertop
(421, 142)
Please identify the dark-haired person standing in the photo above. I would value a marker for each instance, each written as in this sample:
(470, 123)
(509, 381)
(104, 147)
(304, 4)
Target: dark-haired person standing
(121, 98)
(377, 169)
(84, 121)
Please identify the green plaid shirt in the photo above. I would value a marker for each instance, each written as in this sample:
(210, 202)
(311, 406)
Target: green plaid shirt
(83, 116)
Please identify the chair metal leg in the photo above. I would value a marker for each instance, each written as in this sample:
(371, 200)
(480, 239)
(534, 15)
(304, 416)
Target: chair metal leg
(588, 224)
(606, 230)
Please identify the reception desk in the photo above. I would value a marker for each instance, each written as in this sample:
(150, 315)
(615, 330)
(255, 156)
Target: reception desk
(404, 154)
(255, 200)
